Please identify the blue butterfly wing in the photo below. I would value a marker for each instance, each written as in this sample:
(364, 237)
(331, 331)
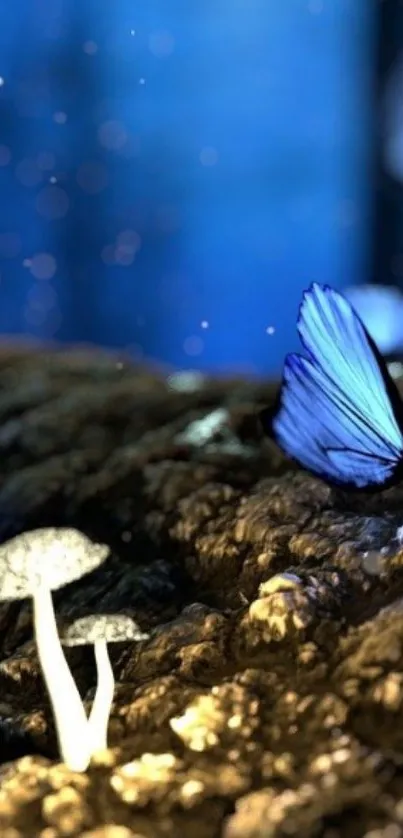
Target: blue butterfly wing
(339, 413)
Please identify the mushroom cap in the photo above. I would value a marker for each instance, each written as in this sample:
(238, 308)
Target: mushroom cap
(51, 557)
(111, 628)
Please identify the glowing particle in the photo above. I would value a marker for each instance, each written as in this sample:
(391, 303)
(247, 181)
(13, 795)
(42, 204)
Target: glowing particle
(204, 324)
(270, 330)
(142, 81)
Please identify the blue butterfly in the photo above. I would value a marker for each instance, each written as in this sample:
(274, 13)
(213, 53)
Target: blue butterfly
(338, 412)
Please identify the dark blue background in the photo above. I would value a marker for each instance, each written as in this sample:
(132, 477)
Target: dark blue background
(174, 172)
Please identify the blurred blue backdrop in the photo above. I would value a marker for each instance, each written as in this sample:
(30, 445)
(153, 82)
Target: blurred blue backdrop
(174, 173)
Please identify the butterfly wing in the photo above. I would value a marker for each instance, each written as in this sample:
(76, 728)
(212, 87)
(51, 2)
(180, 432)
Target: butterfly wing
(339, 413)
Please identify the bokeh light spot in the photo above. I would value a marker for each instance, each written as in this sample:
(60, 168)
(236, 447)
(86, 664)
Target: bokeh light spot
(27, 172)
(112, 135)
(5, 155)
(42, 309)
(124, 255)
(48, 320)
(193, 345)
(60, 117)
(43, 265)
(92, 177)
(347, 214)
(90, 47)
(52, 203)
(45, 161)
(161, 43)
(32, 96)
(167, 218)
(315, 7)
(108, 254)
(10, 245)
(129, 238)
(208, 156)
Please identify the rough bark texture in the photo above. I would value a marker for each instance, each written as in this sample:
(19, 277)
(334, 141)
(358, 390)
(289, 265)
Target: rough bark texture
(268, 701)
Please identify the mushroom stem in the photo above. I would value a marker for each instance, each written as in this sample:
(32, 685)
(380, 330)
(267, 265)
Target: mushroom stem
(101, 708)
(68, 710)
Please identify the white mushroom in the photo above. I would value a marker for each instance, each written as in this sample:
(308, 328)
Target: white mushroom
(33, 565)
(99, 630)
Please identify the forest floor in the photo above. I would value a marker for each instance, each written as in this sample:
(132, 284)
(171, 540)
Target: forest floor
(268, 701)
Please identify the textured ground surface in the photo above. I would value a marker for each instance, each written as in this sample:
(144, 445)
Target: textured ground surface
(268, 701)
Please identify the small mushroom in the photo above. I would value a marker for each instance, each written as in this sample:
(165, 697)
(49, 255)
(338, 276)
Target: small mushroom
(99, 630)
(33, 565)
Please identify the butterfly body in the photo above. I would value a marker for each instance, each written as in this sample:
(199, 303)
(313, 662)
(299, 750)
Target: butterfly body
(338, 412)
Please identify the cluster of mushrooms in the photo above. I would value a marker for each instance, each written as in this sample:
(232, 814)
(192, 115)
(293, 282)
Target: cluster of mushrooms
(33, 565)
